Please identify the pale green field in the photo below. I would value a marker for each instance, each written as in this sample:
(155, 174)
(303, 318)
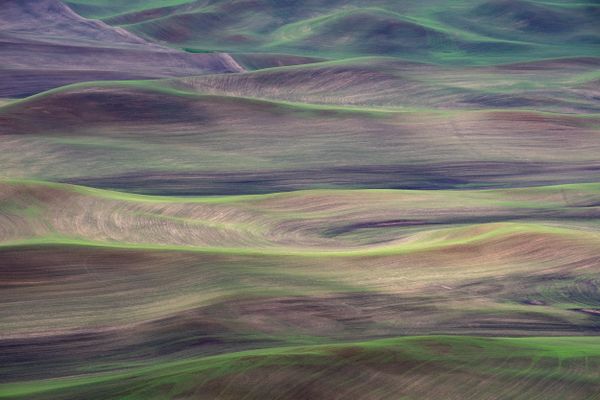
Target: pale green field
(466, 32)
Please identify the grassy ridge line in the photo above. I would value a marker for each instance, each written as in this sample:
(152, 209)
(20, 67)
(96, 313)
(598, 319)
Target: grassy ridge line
(179, 88)
(503, 230)
(163, 87)
(463, 350)
(130, 6)
(303, 28)
(143, 198)
(315, 28)
(436, 239)
(125, 196)
(366, 61)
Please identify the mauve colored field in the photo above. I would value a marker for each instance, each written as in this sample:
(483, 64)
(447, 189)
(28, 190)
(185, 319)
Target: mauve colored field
(234, 199)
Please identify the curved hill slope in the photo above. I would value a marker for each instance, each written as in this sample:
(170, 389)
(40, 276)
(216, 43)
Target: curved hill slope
(198, 281)
(331, 219)
(172, 139)
(465, 32)
(424, 368)
(516, 17)
(368, 31)
(564, 85)
(44, 44)
(520, 247)
(382, 201)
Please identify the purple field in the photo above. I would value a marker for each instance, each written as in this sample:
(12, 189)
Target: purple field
(235, 199)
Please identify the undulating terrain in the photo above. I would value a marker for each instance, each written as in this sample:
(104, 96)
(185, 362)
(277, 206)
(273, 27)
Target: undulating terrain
(264, 199)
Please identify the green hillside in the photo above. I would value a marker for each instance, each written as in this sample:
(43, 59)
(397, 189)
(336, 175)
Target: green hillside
(460, 32)
(418, 367)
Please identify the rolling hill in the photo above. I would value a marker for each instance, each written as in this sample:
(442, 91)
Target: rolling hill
(236, 273)
(46, 45)
(463, 32)
(425, 367)
(170, 137)
(285, 199)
